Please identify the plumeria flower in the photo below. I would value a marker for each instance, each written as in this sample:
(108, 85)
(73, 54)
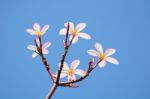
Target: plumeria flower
(37, 31)
(75, 31)
(103, 56)
(34, 48)
(71, 71)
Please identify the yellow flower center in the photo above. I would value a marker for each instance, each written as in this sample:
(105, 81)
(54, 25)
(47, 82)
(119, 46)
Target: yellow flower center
(102, 57)
(38, 34)
(70, 72)
(74, 32)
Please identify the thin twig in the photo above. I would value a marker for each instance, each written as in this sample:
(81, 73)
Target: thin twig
(63, 56)
(39, 48)
(81, 78)
(67, 33)
(56, 84)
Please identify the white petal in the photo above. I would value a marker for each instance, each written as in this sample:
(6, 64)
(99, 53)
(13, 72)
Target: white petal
(84, 36)
(46, 45)
(34, 54)
(99, 48)
(36, 27)
(112, 60)
(69, 78)
(65, 67)
(72, 78)
(75, 40)
(75, 64)
(110, 51)
(44, 29)
(31, 47)
(31, 32)
(38, 42)
(93, 53)
(70, 38)
(80, 26)
(62, 75)
(71, 25)
(80, 72)
(66, 24)
(45, 51)
(63, 31)
(102, 64)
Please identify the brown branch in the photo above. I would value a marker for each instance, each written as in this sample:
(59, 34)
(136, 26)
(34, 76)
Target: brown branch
(39, 48)
(67, 33)
(47, 67)
(66, 47)
(56, 83)
(70, 85)
(51, 92)
(90, 69)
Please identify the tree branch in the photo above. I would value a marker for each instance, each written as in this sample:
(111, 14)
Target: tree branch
(51, 92)
(67, 83)
(56, 83)
(39, 48)
(66, 47)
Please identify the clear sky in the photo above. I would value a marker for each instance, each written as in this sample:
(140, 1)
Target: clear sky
(122, 24)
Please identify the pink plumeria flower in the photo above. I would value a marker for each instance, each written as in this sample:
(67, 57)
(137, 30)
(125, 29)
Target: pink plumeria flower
(34, 48)
(103, 56)
(75, 31)
(37, 31)
(72, 70)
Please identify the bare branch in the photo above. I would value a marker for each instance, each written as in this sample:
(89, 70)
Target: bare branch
(51, 92)
(64, 55)
(56, 83)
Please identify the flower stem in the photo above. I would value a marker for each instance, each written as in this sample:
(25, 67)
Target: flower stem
(44, 59)
(66, 48)
(52, 90)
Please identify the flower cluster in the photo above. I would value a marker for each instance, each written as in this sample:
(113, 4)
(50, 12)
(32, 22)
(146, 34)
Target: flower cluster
(72, 34)
(36, 31)
(75, 33)
(34, 48)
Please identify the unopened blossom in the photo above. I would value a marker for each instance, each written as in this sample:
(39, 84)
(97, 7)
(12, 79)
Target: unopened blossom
(103, 56)
(35, 50)
(75, 32)
(37, 31)
(71, 71)
(91, 63)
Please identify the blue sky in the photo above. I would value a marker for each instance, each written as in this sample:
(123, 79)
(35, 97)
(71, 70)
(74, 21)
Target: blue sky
(122, 24)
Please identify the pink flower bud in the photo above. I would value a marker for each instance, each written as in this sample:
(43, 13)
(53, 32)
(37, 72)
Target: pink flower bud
(91, 63)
